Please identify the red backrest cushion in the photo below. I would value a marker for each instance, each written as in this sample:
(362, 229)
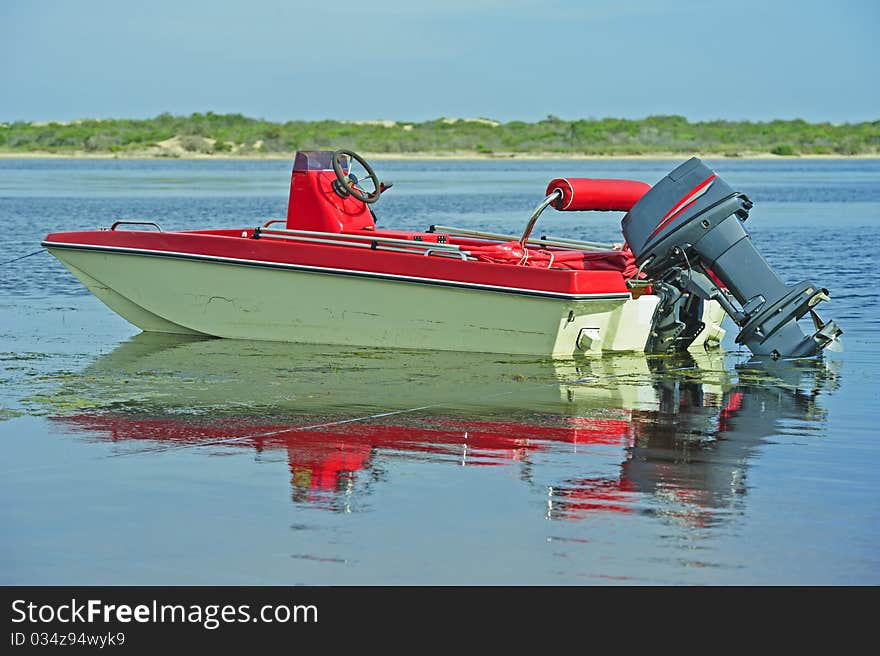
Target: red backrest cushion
(597, 194)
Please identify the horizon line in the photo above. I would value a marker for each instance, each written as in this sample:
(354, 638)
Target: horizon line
(387, 122)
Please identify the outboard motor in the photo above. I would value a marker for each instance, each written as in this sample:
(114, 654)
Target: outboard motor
(687, 235)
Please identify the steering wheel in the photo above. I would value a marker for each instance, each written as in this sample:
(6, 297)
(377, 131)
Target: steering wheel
(347, 183)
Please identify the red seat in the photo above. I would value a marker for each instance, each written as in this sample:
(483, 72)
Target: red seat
(512, 252)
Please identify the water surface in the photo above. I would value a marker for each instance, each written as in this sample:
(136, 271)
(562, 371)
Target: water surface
(137, 458)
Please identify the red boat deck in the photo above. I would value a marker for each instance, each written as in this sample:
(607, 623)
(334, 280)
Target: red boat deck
(586, 273)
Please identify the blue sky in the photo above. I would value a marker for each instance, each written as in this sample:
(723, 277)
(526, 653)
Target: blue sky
(405, 60)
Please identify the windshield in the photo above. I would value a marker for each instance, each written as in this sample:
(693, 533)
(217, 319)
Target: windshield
(315, 160)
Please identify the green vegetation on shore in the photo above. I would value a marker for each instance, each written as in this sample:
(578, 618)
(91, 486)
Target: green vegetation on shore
(234, 134)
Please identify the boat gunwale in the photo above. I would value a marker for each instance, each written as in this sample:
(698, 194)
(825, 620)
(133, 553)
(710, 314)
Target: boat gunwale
(306, 268)
(238, 244)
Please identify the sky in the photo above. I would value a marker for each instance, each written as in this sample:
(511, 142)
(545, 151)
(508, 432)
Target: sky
(407, 60)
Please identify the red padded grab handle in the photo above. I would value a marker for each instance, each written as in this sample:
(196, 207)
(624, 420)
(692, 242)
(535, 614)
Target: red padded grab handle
(594, 194)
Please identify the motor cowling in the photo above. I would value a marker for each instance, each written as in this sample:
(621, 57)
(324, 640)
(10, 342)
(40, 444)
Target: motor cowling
(687, 235)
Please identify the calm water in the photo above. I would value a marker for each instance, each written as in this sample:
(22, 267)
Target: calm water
(135, 458)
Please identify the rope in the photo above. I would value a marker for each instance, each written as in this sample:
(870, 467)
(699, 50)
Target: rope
(22, 257)
(242, 438)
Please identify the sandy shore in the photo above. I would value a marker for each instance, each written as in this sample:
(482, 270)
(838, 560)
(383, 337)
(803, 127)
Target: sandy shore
(461, 155)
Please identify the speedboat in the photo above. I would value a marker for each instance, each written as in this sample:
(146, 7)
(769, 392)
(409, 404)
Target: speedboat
(326, 274)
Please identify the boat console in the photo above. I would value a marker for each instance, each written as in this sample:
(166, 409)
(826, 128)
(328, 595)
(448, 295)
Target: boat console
(326, 196)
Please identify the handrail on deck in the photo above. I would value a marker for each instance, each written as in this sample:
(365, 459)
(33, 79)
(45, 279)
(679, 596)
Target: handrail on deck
(373, 243)
(571, 244)
(410, 243)
(146, 223)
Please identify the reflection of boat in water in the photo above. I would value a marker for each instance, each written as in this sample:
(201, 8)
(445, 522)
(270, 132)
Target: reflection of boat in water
(158, 374)
(679, 432)
(693, 450)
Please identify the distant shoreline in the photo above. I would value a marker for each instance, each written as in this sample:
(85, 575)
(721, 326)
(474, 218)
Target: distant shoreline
(458, 155)
(234, 136)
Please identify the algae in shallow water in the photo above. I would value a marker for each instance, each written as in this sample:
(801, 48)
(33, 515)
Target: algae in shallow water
(9, 356)
(9, 413)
